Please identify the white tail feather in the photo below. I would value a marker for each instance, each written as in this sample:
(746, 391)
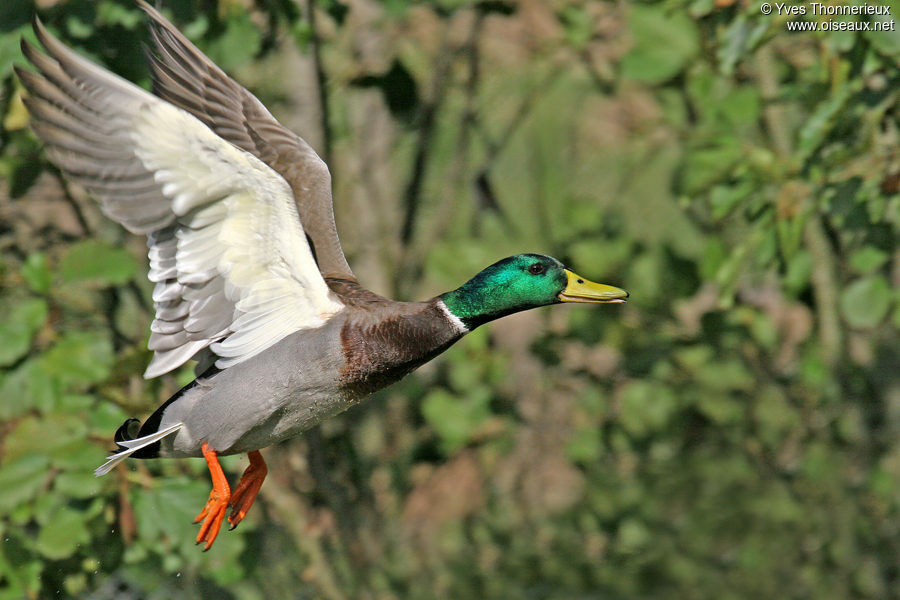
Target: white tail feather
(132, 446)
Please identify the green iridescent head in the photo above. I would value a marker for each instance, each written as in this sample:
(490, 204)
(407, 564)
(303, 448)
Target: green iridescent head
(521, 282)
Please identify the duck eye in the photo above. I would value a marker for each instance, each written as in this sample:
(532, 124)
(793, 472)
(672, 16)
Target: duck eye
(536, 269)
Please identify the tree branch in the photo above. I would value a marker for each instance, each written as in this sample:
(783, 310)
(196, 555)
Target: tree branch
(321, 86)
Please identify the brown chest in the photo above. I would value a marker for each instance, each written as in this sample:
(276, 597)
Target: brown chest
(379, 352)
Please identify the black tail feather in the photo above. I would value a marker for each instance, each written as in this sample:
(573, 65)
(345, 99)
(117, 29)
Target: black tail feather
(128, 431)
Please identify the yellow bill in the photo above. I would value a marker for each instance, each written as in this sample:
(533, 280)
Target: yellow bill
(580, 289)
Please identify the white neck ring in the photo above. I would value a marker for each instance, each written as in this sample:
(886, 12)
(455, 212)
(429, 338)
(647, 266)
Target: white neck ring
(454, 320)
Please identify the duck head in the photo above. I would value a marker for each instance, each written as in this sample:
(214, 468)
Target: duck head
(521, 282)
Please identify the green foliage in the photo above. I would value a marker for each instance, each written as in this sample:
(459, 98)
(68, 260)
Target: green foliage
(664, 43)
(36, 273)
(94, 263)
(238, 43)
(454, 419)
(730, 432)
(865, 302)
(18, 328)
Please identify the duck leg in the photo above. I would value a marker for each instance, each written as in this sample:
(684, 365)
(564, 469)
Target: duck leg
(245, 493)
(214, 511)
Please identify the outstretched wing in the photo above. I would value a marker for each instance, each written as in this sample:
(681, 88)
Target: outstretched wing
(184, 76)
(234, 273)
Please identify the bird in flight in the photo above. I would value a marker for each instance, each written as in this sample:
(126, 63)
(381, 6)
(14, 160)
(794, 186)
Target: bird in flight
(251, 281)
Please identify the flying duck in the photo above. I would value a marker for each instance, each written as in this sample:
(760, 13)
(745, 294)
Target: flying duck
(251, 281)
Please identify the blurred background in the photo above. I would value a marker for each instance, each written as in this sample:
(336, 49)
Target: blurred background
(731, 432)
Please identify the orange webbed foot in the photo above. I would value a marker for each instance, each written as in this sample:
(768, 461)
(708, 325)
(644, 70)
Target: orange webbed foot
(213, 513)
(248, 487)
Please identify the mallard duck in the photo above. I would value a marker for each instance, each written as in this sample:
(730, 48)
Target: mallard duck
(251, 280)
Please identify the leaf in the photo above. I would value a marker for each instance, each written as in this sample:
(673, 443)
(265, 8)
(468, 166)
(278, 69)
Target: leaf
(774, 415)
(110, 13)
(106, 417)
(167, 510)
(43, 436)
(24, 171)
(17, 115)
(726, 375)
(725, 198)
(738, 40)
(868, 260)
(455, 419)
(26, 388)
(578, 24)
(19, 568)
(865, 302)
(740, 107)
(80, 454)
(36, 273)
(701, 8)
(466, 374)
(79, 359)
(799, 271)
(9, 39)
(709, 164)
(602, 257)
(632, 535)
(21, 479)
(98, 263)
(663, 44)
(76, 404)
(820, 462)
(240, 42)
(585, 445)
(720, 409)
(62, 534)
(45, 505)
(78, 484)
(396, 8)
(77, 28)
(645, 407)
(694, 358)
(886, 40)
(821, 121)
(18, 327)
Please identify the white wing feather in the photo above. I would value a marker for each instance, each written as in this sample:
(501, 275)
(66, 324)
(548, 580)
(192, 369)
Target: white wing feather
(233, 270)
(245, 253)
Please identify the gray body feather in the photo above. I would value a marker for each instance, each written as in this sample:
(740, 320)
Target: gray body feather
(279, 393)
(306, 378)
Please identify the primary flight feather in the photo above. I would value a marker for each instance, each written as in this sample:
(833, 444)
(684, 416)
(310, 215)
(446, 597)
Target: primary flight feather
(251, 280)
